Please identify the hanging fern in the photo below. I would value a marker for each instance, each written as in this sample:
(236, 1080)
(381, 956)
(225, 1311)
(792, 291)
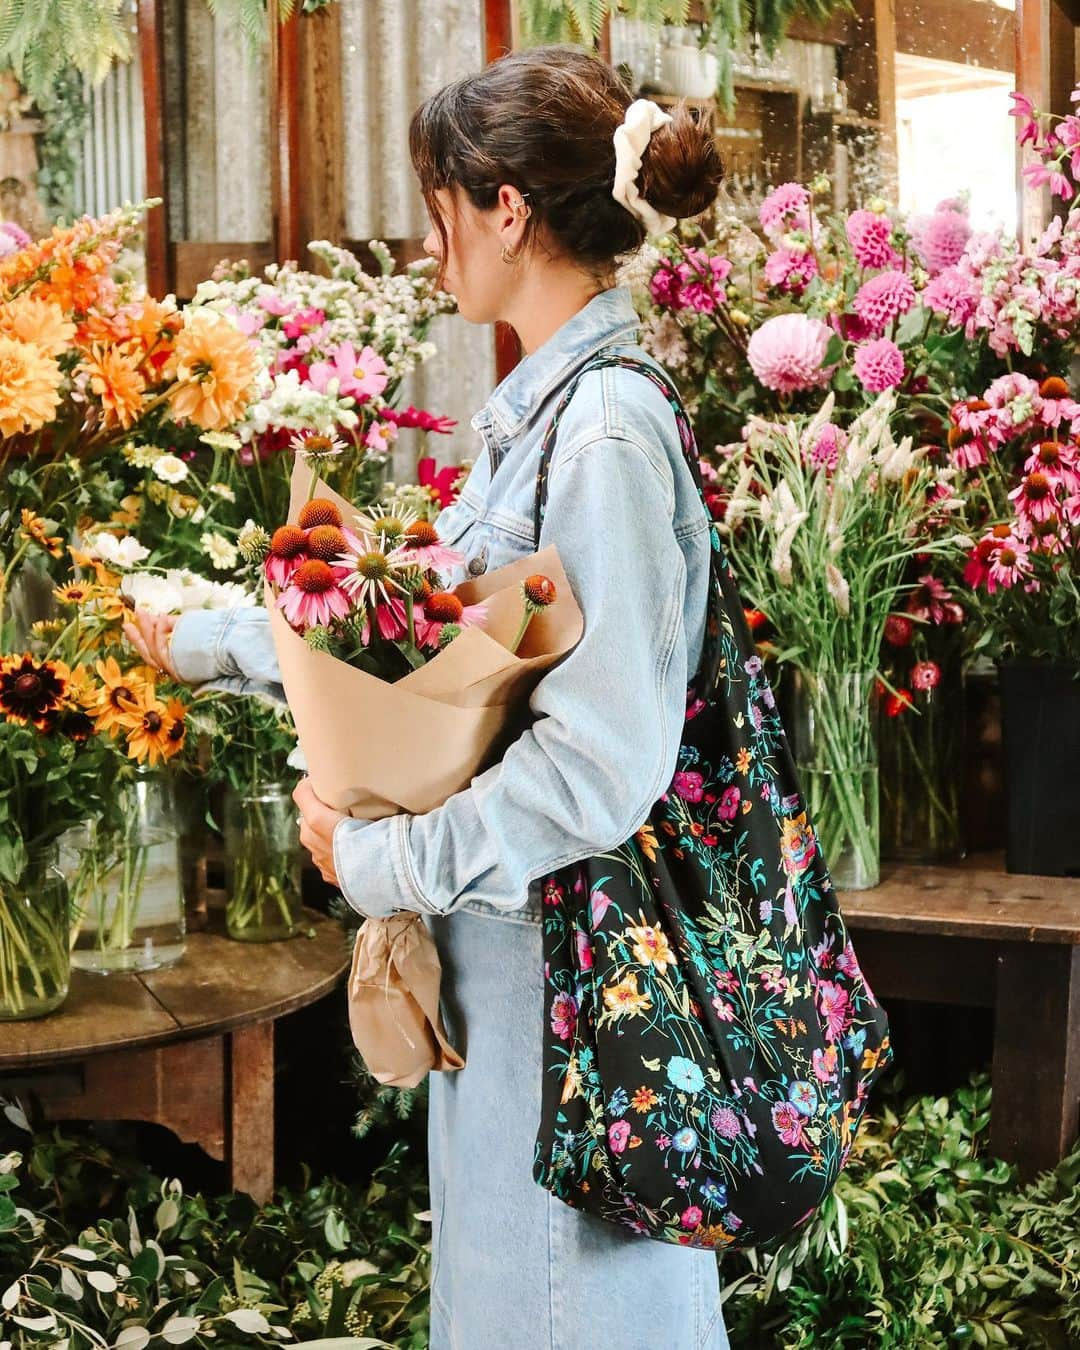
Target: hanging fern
(41, 38)
(545, 21)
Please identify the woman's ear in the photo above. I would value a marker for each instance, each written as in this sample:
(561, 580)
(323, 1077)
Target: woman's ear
(512, 213)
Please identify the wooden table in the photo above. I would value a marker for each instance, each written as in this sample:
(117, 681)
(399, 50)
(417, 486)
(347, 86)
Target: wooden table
(974, 936)
(190, 1047)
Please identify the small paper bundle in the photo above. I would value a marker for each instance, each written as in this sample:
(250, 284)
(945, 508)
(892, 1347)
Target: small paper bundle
(375, 749)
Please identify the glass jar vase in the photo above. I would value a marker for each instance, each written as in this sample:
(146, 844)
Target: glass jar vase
(835, 737)
(124, 872)
(263, 858)
(34, 952)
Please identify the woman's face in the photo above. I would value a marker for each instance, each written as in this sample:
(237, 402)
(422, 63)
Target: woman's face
(475, 274)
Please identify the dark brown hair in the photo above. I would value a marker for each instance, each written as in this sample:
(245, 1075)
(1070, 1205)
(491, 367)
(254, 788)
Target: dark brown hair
(544, 120)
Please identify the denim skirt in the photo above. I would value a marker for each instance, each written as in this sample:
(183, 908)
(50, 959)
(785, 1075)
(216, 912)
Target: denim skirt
(513, 1266)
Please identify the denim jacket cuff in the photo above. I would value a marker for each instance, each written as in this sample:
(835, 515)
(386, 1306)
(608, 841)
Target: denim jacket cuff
(196, 644)
(372, 867)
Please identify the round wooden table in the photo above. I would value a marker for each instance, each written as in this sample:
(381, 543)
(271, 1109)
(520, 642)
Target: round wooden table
(190, 1047)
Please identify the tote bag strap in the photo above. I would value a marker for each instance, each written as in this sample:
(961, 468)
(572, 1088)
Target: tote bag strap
(708, 669)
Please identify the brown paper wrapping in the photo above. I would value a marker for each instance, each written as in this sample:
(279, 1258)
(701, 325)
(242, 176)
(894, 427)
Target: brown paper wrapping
(375, 749)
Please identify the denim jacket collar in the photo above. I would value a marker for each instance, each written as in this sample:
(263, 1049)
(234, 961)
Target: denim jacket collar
(608, 318)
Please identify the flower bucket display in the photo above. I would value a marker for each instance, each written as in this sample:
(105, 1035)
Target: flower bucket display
(34, 964)
(124, 872)
(262, 863)
(836, 748)
(1040, 705)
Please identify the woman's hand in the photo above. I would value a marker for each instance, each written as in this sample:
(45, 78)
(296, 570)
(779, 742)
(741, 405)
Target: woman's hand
(149, 634)
(317, 824)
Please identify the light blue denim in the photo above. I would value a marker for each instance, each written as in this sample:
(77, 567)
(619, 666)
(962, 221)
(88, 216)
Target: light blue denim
(513, 1266)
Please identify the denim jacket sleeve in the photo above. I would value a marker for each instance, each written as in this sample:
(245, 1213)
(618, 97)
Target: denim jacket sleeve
(229, 650)
(608, 719)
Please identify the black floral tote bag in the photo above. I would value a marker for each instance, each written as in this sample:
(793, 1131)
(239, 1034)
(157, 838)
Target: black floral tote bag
(710, 1040)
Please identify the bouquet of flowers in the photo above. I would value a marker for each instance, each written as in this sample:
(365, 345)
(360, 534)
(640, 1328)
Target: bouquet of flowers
(821, 522)
(333, 351)
(401, 691)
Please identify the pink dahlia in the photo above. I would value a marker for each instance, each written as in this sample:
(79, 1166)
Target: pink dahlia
(791, 269)
(831, 441)
(879, 365)
(870, 235)
(785, 208)
(787, 353)
(884, 298)
(952, 295)
(939, 239)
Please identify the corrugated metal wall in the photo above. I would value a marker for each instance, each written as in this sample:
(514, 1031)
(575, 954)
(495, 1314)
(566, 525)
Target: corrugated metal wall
(112, 162)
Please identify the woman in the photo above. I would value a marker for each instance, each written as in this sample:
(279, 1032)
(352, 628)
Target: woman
(539, 176)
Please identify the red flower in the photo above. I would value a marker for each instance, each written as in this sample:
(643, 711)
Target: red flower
(897, 703)
(416, 417)
(925, 675)
(898, 630)
(439, 481)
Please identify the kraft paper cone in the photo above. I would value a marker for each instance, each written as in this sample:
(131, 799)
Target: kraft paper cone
(394, 1002)
(375, 749)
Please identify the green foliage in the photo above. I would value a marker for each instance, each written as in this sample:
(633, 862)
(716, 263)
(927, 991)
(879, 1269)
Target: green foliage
(67, 118)
(925, 1242)
(40, 39)
(95, 1248)
(580, 20)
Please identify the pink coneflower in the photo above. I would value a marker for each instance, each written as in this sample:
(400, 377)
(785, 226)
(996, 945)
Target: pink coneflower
(421, 547)
(1011, 563)
(787, 353)
(785, 208)
(790, 269)
(925, 675)
(940, 239)
(440, 609)
(381, 436)
(879, 365)
(313, 596)
(1057, 460)
(932, 602)
(288, 551)
(391, 621)
(1036, 496)
(884, 298)
(870, 235)
(360, 376)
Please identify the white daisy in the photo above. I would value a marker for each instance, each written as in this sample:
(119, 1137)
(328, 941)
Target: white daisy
(221, 552)
(170, 469)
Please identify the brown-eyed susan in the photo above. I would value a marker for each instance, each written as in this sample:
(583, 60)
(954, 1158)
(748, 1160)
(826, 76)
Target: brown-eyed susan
(35, 530)
(120, 693)
(148, 726)
(74, 593)
(177, 715)
(31, 691)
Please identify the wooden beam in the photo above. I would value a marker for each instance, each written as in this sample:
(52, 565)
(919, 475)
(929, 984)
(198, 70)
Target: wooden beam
(969, 31)
(152, 63)
(285, 135)
(322, 127)
(869, 69)
(1033, 79)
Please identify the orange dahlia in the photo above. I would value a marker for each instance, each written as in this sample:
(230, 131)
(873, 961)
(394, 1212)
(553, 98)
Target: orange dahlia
(215, 365)
(29, 387)
(38, 321)
(113, 376)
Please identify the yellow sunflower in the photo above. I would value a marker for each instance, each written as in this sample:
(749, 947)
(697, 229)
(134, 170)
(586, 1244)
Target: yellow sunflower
(214, 364)
(29, 387)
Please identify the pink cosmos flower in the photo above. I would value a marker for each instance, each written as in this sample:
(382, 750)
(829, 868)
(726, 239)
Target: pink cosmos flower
(303, 321)
(785, 208)
(417, 418)
(879, 365)
(439, 481)
(380, 436)
(619, 1135)
(564, 1018)
(870, 236)
(787, 353)
(690, 786)
(729, 803)
(884, 298)
(248, 323)
(790, 269)
(273, 303)
(940, 239)
(691, 1216)
(834, 1007)
(1024, 111)
(1041, 175)
(788, 1124)
(313, 598)
(360, 376)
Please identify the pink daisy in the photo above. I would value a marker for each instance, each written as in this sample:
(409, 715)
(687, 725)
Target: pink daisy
(879, 365)
(884, 298)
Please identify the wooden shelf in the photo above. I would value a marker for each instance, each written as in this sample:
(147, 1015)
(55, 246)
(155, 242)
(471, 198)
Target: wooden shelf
(847, 119)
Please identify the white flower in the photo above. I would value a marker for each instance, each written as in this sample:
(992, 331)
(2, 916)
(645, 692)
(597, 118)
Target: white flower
(220, 440)
(224, 491)
(895, 460)
(838, 588)
(141, 456)
(125, 552)
(198, 514)
(170, 469)
(151, 593)
(219, 550)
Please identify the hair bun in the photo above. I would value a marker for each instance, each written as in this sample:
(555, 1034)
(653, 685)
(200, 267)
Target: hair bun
(681, 170)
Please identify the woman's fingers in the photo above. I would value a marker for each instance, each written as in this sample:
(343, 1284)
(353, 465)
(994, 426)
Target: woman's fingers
(149, 634)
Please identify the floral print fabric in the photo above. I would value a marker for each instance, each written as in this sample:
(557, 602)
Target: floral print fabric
(711, 1041)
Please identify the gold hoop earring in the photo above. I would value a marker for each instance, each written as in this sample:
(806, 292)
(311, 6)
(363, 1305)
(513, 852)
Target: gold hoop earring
(507, 256)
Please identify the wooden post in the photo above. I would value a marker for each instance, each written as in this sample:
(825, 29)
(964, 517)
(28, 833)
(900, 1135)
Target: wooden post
(285, 135)
(250, 1142)
(322, 127)
(870, 72)
(151, 58)
(1032, 79)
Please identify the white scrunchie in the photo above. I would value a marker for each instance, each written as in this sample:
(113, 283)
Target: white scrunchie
(643, 117)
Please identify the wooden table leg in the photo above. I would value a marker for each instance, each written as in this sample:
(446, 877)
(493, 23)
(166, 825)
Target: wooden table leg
(251, 1110)
(1036, 1075)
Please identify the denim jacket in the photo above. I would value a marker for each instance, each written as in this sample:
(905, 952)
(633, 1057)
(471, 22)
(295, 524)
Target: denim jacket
(633, 537)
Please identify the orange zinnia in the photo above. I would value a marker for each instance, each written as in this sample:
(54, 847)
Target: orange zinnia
(215, 365)
(115, 379)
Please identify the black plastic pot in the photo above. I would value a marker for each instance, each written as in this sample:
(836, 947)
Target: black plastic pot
(1040, 706)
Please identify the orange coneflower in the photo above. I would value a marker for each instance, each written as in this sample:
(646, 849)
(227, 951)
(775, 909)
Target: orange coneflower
(148, 726)
(33, 528)
(177, 714)
(120, 695)
(215, 366)
(29, 387)
(318, 511)
(102, 575)
(31, 690)
(81, 689)
(74, 593)
(113, 377)
(38, 321)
